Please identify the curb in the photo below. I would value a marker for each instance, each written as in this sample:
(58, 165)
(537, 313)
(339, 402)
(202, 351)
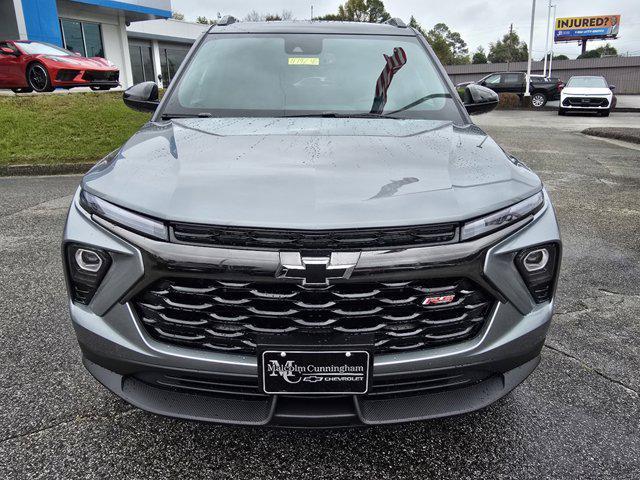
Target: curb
(45, 169)
(615, 110)
(632, 136)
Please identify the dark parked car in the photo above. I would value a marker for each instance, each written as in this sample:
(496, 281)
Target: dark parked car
(542, 89)
(311, 231)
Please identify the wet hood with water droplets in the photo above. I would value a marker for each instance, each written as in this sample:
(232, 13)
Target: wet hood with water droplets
(311, 173)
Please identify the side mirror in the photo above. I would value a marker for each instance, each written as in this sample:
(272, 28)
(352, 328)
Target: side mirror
(478, 99)
(8, 51)
(142, 97)
(612, 87)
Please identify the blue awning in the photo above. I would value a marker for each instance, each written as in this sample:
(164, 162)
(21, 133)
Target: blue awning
(141, 7)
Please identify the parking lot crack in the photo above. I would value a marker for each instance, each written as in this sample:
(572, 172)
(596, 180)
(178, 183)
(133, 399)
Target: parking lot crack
(86, 418)
(630, 390)
(32, 207)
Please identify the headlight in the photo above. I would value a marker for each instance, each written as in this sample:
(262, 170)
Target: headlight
(125, 218)
(502, 218)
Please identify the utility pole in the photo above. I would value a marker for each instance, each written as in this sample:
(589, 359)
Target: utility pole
(527, 92)
(510, 47)
(555, 14)
(546, 41)
(312, 11)
(584, 46)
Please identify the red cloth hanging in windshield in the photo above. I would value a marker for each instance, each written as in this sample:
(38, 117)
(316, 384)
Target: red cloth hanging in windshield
(393, 63)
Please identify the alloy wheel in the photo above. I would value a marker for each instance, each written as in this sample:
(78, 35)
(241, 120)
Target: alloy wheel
(537, 101)
(38, 78)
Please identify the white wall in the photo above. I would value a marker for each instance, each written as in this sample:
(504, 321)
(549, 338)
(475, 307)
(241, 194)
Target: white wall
(114, 34)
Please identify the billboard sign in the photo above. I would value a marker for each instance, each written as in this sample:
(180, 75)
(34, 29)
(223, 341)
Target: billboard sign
(586, 28)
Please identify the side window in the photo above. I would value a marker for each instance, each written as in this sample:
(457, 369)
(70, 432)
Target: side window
(511, 78)
(8, 45)
(492, 79)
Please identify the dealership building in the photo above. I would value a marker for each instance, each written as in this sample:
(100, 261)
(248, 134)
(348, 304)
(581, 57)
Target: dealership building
(99, 28)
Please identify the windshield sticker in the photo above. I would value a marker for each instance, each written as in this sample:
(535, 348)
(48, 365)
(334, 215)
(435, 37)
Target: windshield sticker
(304, 61)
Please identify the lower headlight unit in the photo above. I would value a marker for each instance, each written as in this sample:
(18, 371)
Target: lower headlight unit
(538, 266)
(86, 267)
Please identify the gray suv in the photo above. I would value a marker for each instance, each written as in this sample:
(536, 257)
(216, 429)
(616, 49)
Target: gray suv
(311, 232)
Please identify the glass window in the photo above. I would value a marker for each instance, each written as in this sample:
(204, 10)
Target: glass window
(492, 79)
(587, 82)
(72, 36)
(511, 78)
(136, 63)
(82, 37)
(37, 48)
(141, 63)
(93, 39)
(170, 61)
(147, 63)
(281, 74)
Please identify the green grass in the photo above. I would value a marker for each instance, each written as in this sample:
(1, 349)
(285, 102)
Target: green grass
(80, 127)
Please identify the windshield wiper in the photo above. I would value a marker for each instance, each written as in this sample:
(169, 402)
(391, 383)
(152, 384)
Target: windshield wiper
(342, 115)
(419, 101)
(169, 116)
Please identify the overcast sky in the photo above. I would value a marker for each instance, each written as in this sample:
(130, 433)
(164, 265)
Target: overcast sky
(479, 21)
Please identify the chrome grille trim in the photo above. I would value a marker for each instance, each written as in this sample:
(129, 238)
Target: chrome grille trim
(229, 316)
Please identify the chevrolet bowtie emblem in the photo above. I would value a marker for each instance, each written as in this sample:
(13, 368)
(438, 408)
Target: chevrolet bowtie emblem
(317, 271)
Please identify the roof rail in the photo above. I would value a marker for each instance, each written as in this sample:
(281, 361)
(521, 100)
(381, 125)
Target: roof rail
(396, 22)
(227, 20)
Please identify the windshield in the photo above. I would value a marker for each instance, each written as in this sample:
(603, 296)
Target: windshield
(34, 48)
(311, 74)
(587, 82)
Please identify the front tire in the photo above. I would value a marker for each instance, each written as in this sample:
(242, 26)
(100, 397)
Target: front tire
(538, 100)
(38, 78)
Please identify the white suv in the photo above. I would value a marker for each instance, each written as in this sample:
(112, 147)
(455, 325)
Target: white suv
(587, 93)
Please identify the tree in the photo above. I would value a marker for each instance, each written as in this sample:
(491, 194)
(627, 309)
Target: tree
(560, 57)
(371, 11)
(509, 49)
(177, 16)
(254, 16)
(203, 20)
(449, 46)
(479, 56)
(605, 51)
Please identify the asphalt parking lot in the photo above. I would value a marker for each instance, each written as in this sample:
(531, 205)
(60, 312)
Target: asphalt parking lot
(577, 416)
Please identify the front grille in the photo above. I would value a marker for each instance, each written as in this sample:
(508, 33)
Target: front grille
(99, 76)
(236, 317)
(585, 102)
(334, 240)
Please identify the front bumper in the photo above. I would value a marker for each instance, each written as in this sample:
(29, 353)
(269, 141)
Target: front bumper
(69, 78)
(121, 355)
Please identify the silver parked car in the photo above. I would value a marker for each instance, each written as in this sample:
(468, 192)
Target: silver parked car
(311, 231)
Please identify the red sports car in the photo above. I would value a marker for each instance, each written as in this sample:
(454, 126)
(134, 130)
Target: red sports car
(26, 66)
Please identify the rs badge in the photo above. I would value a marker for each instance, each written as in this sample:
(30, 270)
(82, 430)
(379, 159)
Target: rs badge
(442, 300)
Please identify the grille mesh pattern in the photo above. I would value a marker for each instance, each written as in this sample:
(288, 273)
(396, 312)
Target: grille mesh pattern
(232, 316)
(334, 240)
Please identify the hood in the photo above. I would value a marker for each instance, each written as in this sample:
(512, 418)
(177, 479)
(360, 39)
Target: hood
(70, 61)
(311, 173)
(586, 91)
